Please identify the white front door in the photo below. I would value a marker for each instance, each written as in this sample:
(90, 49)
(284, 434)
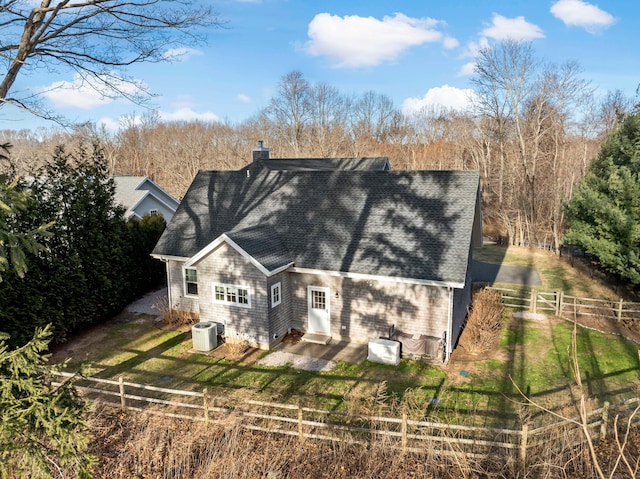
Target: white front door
(318, 301)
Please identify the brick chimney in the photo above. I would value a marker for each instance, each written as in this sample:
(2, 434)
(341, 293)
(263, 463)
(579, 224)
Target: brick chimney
(260, 153)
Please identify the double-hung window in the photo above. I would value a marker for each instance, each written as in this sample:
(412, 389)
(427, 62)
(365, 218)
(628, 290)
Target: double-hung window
(191, 281)
(232, 294)
(276, 294)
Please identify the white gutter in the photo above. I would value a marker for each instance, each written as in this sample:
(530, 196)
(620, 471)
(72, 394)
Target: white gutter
(373, 277)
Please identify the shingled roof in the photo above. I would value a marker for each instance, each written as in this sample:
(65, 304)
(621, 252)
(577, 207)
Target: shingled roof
(327, 164)
(402, 224)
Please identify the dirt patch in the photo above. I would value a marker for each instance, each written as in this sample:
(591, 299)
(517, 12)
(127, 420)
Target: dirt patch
(79, 345)
(609, 326)
(293, 337)
(236, 353)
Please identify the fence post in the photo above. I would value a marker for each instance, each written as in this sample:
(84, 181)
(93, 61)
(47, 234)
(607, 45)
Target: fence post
(300, 429)
(534, 298)
(605, 418)
(205, 404)
(559, 301)
(620, 310)
(404, 432)
(123, 402)
(523, 444)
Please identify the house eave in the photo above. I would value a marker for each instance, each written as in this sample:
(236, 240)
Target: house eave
(165, 257)
(150, 194)
(147, 179)
(373, 277)
(223, 238)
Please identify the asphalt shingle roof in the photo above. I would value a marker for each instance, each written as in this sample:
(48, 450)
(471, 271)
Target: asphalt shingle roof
(264, 244)
(126, 193)
(405, 224)
(327, 164)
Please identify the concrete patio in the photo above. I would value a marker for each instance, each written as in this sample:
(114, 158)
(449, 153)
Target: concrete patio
(334, 351)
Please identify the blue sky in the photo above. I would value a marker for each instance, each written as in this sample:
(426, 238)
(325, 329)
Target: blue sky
(415, 51)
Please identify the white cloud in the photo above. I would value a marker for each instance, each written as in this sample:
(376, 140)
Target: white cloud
(446, 96)
(503, 28)
(450, 42)
(354, 41)
(187, 114)
(181, 54)
(87, 93)
(473, 48)
(576, 13)
(467, 69)
(109, 123)
(244, 98)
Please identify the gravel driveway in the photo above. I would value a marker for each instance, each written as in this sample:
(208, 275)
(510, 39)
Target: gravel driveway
(148, 303)
(496, 273)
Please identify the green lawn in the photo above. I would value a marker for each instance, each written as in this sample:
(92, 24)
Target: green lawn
(533, 355)
(556, 274)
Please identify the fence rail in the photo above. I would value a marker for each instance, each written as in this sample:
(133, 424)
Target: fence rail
(407, 435)
(569, 307)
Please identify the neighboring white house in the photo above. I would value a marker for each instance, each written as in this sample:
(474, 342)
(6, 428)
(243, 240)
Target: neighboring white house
(140, 195)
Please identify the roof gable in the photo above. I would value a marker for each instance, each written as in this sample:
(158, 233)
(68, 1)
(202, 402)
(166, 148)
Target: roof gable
(401, 224)
(260, 245)
(131, 191)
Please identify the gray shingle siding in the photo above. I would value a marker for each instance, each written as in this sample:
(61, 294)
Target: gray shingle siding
(280, 315)
(175, 277)
(361, 310)
(224, 265)
(461, 302)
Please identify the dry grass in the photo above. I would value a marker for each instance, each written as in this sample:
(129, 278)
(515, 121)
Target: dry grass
(145, 446)
(484, 323)
(134, 445)
(174, 318)
(237, 348)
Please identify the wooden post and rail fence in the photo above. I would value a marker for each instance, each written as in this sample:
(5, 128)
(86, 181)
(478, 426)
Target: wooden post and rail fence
(559, 304)
(404, 434)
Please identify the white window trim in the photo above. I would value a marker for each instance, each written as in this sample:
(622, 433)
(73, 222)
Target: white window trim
(277, 286)
(184, 285)
(231, 303)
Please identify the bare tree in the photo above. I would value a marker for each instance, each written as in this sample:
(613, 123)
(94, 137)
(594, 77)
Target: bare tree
(374, 121)
(612, 108)
(526, 114)
(329, 121)
(290, 110)
(96, 39)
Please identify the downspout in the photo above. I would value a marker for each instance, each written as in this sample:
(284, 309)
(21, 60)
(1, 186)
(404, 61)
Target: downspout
(166, 262)
(449, 324)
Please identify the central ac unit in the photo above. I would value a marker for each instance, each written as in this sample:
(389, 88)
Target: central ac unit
(384, 351)
(204, 336)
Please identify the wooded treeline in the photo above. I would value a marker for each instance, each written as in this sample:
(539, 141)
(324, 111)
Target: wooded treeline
(532, 132)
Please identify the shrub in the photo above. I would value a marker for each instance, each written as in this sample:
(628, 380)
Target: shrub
(484, 323)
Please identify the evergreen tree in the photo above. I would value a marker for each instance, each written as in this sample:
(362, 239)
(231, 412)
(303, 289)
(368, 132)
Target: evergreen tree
(14, 244)
(604, 213)
(149, 272)
(89, 267)
(43, 428)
